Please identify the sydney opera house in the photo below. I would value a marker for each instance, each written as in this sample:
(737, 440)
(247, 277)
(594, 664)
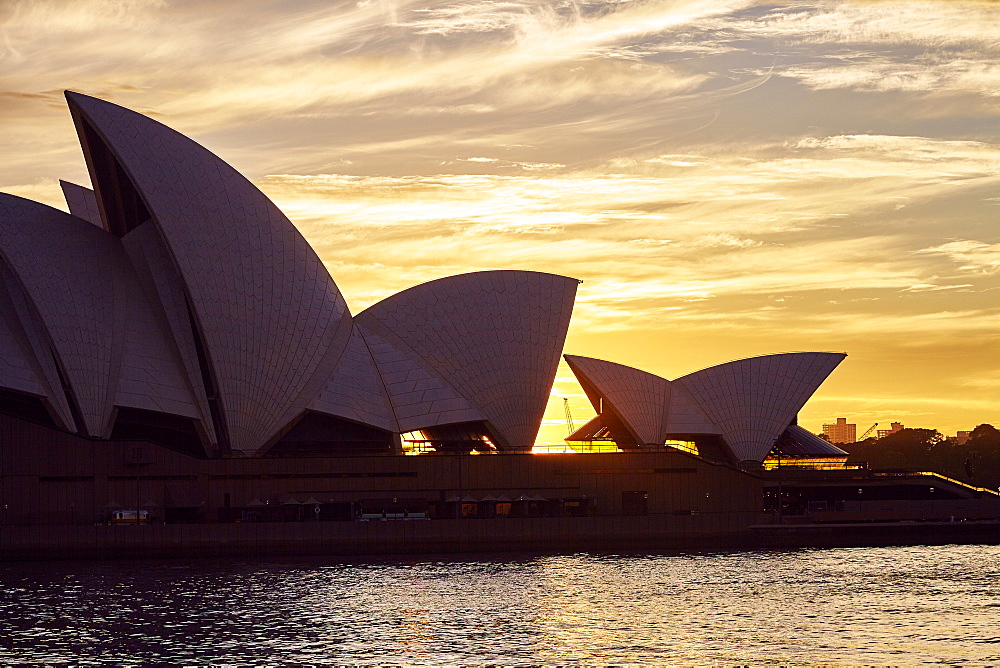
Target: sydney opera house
(180, 373)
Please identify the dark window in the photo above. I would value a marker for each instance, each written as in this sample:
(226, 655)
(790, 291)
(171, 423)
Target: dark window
(171, 431)
(317, 435)
(635, 503)
(25, 406)
(462, 437)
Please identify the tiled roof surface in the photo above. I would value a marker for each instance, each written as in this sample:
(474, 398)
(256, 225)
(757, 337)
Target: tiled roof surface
(29, 333)
(272, 320)
(355, 391)
(82, 203)
(161, 283)
(753, 400)
(418, 397)
(639, 398)
(108, 340)
(199, 299)
(496, 336)
(17, 368)
(67, 267)
(749, 402)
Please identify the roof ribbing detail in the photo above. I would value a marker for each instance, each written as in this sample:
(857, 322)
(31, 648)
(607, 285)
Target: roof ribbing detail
(496, 336)
(272, 322)
(639, 398)
(68, 269)
(355, 391)
(82, 203)
(753, 400)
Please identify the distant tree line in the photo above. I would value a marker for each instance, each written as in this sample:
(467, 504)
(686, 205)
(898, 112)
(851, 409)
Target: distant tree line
(977, 461)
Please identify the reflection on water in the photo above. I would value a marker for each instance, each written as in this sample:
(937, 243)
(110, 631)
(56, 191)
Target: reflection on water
(901, 605)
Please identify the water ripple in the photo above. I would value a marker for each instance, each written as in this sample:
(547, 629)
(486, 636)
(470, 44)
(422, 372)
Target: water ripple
(905, 605)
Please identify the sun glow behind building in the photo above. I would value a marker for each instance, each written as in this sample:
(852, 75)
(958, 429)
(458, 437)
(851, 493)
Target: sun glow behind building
(174, 340)
(728, 179)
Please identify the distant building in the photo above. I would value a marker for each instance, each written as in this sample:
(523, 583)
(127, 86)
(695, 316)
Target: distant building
(841, 432)
(896, 426)
(961, 438)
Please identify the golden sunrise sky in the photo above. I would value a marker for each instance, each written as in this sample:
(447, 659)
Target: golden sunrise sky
(728, 178)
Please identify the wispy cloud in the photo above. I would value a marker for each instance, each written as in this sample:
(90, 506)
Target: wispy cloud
(927, 77)
(928, 23)
(974, 256)
(933, 287)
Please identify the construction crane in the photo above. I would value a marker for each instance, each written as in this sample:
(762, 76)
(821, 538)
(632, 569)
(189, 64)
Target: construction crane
(870, 430)
(569, 417)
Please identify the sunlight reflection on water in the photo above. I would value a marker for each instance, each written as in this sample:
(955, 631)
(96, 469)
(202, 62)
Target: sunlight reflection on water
(838, 606)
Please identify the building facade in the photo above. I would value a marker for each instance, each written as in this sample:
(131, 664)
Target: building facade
(180, 374)
(177, 304)
(893, 428)
(841, 431)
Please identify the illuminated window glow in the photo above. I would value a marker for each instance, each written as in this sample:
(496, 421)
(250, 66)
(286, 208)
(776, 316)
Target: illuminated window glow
(415, 443)
(596, 445)
(686, 446)
(813, 463)
(419, 443)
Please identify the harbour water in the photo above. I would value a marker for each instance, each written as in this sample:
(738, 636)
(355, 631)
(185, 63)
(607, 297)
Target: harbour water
(861, 606)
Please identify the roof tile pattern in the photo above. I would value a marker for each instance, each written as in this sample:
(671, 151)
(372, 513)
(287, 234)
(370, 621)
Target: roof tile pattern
(355, 391)
(418, 397)
(753, 400)
(152, 375)
(82, 203)
(158, 279)
(685, 416)
(639, 398)
(16, 308)
(495, 335)
(68, 269)
(272, 320)
(16, 369)
(202, 300)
